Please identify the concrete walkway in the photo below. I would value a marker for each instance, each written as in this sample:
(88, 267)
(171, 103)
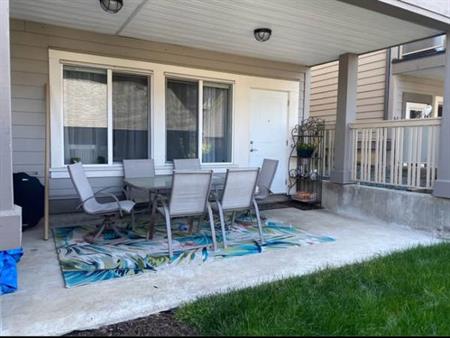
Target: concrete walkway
(43, 306)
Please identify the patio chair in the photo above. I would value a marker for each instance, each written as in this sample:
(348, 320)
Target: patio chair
(187, 164)
(188, 197)
(90, 204)
(138, 169)
(265, 179)
(238, 194)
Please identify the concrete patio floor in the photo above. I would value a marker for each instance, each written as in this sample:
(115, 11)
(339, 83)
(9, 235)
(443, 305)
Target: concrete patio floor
(43, 306)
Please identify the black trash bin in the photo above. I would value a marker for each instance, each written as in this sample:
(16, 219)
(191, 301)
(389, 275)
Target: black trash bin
(29, 194)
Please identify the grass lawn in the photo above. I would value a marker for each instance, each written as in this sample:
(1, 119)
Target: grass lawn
(406, 293)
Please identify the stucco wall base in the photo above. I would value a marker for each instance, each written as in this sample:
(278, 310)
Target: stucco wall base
(416, 210)
(11, 228)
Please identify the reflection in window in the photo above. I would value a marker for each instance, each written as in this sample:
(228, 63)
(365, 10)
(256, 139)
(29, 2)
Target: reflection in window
(85, 115)
(130, 116)
(216, 144)
(181, 119)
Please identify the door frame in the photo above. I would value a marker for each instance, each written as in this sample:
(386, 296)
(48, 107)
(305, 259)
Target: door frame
(287, 129)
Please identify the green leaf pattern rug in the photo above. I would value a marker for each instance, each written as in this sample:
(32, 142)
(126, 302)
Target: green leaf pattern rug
(112, 257)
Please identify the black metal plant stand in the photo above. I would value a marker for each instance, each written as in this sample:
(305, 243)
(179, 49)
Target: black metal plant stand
(306, 161)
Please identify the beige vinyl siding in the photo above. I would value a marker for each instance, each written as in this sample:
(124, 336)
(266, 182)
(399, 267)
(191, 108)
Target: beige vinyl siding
(371, 88)
(30, 43)
(411, 84)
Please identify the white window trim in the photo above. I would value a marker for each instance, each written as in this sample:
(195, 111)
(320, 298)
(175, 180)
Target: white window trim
(200, 80)
(438, 100)
(57, 60)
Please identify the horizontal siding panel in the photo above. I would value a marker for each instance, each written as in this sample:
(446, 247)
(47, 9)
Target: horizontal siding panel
(31, 79)
(27, 65)
(368, 58)
(326, 70)
(372, 115)
(28, 157)
(325, 83)
(27, 92)
(324, 112)
(370, 101)
(372, 65)
(325, 100)
(370, 108)
(371, 86)
(320, 107)
(322, 95)
(374, 73)
(322, 77)
(26, 144)
(371, 94)
(28, 119)
(371, 80)
(325, 65)
(30, 132)
(28, 52)
(28, 105)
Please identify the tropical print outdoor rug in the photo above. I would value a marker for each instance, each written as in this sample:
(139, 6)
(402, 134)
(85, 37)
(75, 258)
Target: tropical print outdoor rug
(114, 257)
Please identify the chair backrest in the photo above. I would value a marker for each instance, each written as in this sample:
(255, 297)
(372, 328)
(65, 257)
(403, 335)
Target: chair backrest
(187, 164)
(239, 188)
(265, 179)
(139, 168)
(190, 192)
(82, 186)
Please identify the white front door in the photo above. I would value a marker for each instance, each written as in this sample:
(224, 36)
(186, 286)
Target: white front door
(269, 132)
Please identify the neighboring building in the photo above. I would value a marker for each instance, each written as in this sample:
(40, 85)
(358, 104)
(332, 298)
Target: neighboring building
(403, 82)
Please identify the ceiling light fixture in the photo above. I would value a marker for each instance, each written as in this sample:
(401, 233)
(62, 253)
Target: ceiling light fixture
(262, 34)
(111, 6)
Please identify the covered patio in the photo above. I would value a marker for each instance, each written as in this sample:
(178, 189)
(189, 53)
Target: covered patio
(188, 61)
(44, 306)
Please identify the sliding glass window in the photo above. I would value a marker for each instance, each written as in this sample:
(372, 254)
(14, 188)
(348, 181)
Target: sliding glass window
(85, 115)
(192, 129)
(216, 144)
(106, 115)
(130, 98)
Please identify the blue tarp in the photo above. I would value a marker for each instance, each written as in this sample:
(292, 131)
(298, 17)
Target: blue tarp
(8, 270)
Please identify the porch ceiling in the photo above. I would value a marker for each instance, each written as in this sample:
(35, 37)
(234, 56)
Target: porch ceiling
(304, 31)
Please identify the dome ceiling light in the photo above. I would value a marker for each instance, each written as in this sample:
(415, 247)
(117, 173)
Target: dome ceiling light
(111, 6)
(262, 34)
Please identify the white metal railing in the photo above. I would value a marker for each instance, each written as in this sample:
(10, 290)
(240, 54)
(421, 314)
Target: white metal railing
(327, 157)
(397, 152)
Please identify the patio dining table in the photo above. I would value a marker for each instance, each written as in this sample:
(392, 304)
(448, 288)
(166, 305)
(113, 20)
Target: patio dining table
(159, 183)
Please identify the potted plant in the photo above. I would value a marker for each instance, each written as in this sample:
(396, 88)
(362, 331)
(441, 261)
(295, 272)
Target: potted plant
(305, 150)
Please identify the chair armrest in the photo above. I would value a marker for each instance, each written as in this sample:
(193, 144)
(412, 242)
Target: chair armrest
(106, 188)
(114, 197)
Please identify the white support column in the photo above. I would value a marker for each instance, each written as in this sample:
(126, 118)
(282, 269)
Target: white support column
(10, 215)
(346, 114)
(442, 185)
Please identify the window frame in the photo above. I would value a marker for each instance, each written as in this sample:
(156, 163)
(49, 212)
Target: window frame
(200, 81)
(56, 80)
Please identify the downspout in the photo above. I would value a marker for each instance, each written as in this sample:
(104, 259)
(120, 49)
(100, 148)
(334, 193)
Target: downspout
(387, 85)
(306, 94)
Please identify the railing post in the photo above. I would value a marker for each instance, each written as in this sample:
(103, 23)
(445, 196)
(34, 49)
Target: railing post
(10, 215)
(346, 114)
(442, 184)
